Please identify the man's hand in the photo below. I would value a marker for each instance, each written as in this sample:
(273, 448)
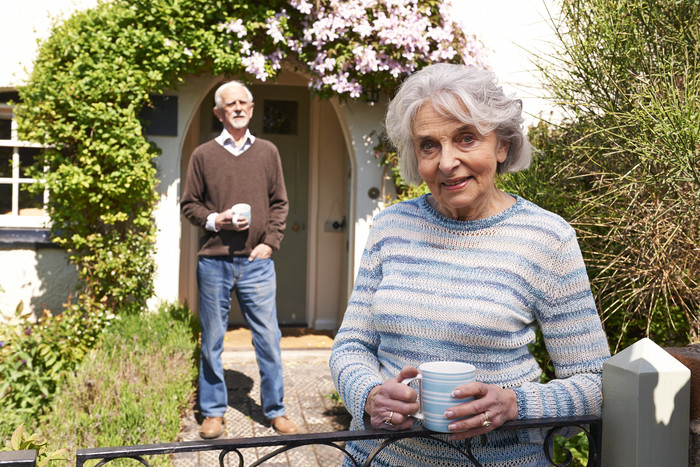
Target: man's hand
(227, 221)
(261, 251)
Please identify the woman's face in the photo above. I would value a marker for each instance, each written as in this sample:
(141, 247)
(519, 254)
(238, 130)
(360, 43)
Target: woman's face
(458, 164)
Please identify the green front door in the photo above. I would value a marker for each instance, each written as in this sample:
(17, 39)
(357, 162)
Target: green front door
(281, 115)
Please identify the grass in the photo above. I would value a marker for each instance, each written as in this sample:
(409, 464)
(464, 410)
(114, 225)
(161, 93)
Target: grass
(131, 389)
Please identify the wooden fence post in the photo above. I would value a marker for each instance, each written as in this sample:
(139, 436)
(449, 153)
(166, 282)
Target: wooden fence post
(690, 357)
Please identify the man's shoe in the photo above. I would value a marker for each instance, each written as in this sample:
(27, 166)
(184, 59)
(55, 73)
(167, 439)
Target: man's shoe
(284, 426)
(212, 427)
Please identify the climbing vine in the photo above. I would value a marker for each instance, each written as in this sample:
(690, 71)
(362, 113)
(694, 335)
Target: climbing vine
(95, 73)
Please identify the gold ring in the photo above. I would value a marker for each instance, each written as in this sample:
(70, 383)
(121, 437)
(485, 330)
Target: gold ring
(487, 422)
(388, 420)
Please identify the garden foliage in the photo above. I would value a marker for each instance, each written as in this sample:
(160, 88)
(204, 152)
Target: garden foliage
(628, 81)
(36, 355)
(130, 388)
(24, 441)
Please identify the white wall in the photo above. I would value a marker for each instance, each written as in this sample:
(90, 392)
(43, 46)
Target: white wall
(40, 279)
(167, 219)
(167, 213)
(361, 120)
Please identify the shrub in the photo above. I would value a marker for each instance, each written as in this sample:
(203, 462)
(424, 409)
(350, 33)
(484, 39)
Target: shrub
(35, 357)
(628, 80)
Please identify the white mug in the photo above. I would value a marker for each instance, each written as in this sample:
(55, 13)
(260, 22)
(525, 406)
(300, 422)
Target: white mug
(437, 380)
(240, 210)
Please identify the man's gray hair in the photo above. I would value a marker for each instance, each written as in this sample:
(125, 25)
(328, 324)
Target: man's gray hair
(465, 93)
(223, 87)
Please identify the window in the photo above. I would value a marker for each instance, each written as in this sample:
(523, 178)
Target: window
(18, 207)
(280, 117)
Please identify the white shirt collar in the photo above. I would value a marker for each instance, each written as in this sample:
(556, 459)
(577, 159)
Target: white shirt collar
(225, 140)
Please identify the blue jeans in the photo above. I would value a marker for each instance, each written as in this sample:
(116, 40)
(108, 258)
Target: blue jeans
(255, 285)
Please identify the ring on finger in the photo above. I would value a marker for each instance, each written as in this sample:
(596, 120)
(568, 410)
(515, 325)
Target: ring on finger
(388, 420)
(487, 421)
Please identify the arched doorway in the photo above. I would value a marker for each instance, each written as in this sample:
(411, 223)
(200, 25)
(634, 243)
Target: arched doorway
(312, 262)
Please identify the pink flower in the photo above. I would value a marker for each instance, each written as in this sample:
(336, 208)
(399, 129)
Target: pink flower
(255, 65)
(342, 41)
(273, 27)
(235, 26)
(303, 6)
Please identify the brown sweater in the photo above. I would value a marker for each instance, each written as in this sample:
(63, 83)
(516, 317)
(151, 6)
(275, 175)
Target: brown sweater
(216, 180)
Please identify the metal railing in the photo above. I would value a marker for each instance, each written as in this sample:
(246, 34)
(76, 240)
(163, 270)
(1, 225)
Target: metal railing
(591, 426)
(18, 458)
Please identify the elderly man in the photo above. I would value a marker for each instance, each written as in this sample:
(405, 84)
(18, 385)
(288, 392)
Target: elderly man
(235, 256)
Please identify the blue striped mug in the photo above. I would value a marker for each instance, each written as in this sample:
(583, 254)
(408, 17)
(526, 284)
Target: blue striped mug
(436, 381)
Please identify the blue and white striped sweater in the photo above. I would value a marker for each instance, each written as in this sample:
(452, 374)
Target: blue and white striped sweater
(433, 288)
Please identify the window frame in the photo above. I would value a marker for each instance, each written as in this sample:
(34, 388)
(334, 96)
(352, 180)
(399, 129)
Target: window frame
(15, 180)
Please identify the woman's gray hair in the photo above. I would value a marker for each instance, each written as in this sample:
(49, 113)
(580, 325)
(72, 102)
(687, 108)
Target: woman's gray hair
(223, 87)
(466, 93)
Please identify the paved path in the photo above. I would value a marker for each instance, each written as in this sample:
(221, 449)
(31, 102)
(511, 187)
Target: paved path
(307, 382)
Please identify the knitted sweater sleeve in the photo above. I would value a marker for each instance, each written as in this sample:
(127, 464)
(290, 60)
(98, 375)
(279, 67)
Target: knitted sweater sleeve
(575, 341)
(353, 362)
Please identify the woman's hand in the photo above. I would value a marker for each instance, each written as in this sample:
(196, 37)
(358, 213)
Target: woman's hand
(390, 404)
(492, 406)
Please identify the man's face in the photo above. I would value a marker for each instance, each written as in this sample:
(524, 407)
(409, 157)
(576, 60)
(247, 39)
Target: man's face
(236, 109)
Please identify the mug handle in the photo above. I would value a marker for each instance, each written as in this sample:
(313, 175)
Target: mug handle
(407, 381)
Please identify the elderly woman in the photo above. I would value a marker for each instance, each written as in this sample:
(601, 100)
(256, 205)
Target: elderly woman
(466, 273)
